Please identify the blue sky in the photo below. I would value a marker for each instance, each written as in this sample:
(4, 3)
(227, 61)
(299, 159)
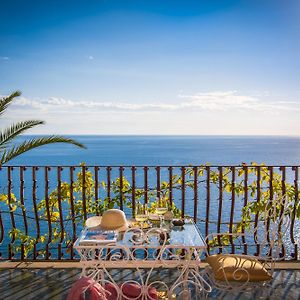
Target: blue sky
(153, 67)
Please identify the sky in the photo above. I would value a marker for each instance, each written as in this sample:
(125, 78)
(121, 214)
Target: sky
(202, 67)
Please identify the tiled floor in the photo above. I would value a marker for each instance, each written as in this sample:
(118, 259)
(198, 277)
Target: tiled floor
(42, 284)
(285, 285)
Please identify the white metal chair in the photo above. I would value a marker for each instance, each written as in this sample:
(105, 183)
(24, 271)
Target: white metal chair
(240, 272)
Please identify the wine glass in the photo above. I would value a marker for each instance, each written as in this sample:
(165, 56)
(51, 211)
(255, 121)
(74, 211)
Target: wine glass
(161, 209)
(141, 213)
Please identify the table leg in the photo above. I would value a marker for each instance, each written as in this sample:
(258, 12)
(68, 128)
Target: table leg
(186, 293)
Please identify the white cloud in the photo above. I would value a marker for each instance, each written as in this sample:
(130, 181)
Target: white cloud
(90, 57)
(4, 58)
(210, 101)
(230, 100)
(216, 113)
(64, 104)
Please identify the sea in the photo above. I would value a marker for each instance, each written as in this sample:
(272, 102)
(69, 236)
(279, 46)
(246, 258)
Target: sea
(167, 150)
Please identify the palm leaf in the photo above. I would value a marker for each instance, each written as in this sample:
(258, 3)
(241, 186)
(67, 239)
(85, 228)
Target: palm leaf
(34, 143)
(8, 134)
(4, 102)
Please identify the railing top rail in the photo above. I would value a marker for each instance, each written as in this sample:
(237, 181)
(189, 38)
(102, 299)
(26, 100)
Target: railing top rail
(153, 166)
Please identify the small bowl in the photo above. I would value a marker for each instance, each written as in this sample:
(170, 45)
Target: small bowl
(178, 222)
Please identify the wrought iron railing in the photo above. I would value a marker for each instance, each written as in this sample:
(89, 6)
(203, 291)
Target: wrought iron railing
(42, 208)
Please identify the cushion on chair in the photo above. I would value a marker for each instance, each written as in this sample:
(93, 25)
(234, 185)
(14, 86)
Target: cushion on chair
(232, 267)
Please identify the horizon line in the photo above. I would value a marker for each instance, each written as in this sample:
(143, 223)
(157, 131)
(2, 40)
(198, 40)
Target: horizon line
(161, 135)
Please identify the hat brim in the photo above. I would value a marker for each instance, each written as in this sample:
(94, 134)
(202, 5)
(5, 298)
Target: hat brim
(92, 222)
(95, 222)
(120, 228)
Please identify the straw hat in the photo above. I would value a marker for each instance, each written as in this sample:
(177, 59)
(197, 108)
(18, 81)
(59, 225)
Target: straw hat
(112, 219)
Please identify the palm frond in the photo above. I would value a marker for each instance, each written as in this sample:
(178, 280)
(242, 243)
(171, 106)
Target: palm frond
(4, 102)
(34, 143)
(8, 134)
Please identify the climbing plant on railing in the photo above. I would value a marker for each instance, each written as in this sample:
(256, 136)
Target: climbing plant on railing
(83, 189)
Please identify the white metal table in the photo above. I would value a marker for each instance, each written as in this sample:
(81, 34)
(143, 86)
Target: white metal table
(181, 249)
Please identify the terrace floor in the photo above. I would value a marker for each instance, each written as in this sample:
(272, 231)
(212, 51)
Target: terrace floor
(54, 283)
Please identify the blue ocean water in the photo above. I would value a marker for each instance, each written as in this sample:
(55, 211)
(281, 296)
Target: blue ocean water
(167, 150)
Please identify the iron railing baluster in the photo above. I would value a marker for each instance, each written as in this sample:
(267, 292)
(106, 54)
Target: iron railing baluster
(258, 193)
(195, 174)
(11, 212)
(170, 185)
(146, 184)
(220, 169)
(61, 217)
(83, 171)
(22, 187)
(96, 187)
(207, 199)
(133, 170)
(296, 201)
(121, 188)
(73, 217)
(35, 209)
(232, 206)
(46, 191)
(245, 169)
(182, 192)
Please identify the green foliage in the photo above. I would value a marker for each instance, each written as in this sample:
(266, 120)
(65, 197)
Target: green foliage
(6, 101)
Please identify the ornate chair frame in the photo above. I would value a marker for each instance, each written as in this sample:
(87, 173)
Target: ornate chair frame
(271, 228)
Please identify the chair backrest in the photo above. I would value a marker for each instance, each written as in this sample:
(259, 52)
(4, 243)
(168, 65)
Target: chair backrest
(269, 227)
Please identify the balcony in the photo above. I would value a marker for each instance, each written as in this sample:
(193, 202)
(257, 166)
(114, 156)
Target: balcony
(43, 209)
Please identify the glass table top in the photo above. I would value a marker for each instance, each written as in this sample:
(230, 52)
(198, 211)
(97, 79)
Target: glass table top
(187, 235)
